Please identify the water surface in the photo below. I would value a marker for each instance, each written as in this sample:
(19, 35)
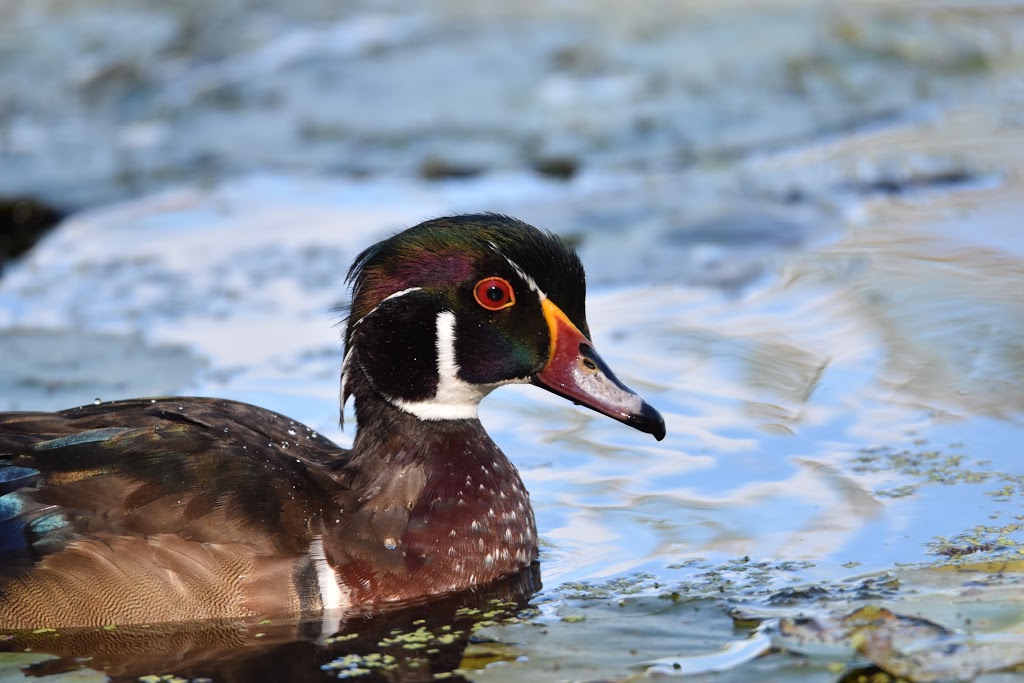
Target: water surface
(823, 299)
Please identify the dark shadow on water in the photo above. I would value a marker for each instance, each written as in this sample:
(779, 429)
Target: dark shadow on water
(413, 643)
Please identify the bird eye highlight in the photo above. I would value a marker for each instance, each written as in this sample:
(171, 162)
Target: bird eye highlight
(494, 293)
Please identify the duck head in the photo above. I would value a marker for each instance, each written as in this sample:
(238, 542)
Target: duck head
(446, 311)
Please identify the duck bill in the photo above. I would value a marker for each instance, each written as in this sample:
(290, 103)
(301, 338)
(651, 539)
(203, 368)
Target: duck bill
(575, 371)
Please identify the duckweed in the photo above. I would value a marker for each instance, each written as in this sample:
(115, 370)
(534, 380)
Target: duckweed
(926, 466)
(354, 665)
(992, 540)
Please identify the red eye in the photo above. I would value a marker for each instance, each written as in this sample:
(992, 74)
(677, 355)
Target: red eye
(494, 293)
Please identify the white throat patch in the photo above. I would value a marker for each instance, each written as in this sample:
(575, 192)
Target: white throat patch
(455, 399)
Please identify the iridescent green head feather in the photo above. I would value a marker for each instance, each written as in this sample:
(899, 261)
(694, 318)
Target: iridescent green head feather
(444, 252)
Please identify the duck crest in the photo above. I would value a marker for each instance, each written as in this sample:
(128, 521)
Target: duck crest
(448, 250)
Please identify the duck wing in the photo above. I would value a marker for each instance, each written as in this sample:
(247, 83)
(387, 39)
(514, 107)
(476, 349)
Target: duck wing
(208, 470)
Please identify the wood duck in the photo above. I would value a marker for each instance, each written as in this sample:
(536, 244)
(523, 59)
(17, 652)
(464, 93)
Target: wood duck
(180, 509)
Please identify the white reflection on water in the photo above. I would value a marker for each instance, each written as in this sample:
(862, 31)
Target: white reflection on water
(898, 335)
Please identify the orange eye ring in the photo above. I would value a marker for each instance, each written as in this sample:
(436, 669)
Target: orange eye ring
(494, 293)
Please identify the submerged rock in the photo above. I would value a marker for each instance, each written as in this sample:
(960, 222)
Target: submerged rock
(23, 221)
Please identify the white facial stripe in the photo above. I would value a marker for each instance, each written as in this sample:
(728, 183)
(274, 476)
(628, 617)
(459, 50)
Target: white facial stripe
(348, 353)
(331, 596)
(455, 399)
(529, 280)
(395, 295)
(531, 283)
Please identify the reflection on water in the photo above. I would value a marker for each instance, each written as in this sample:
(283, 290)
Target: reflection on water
(419, 643)
(904, 332)
(949, 318)
(868, 341)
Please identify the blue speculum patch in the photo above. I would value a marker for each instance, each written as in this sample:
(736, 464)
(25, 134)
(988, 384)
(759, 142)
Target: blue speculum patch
(90, 436)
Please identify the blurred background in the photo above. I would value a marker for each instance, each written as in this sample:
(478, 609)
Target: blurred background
(801, 223)
(104, 100)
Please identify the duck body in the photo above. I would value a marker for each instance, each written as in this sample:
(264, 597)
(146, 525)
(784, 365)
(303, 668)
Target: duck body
(180, 509)
(184, 508)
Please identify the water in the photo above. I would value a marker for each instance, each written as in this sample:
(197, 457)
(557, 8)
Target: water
(821, 293)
